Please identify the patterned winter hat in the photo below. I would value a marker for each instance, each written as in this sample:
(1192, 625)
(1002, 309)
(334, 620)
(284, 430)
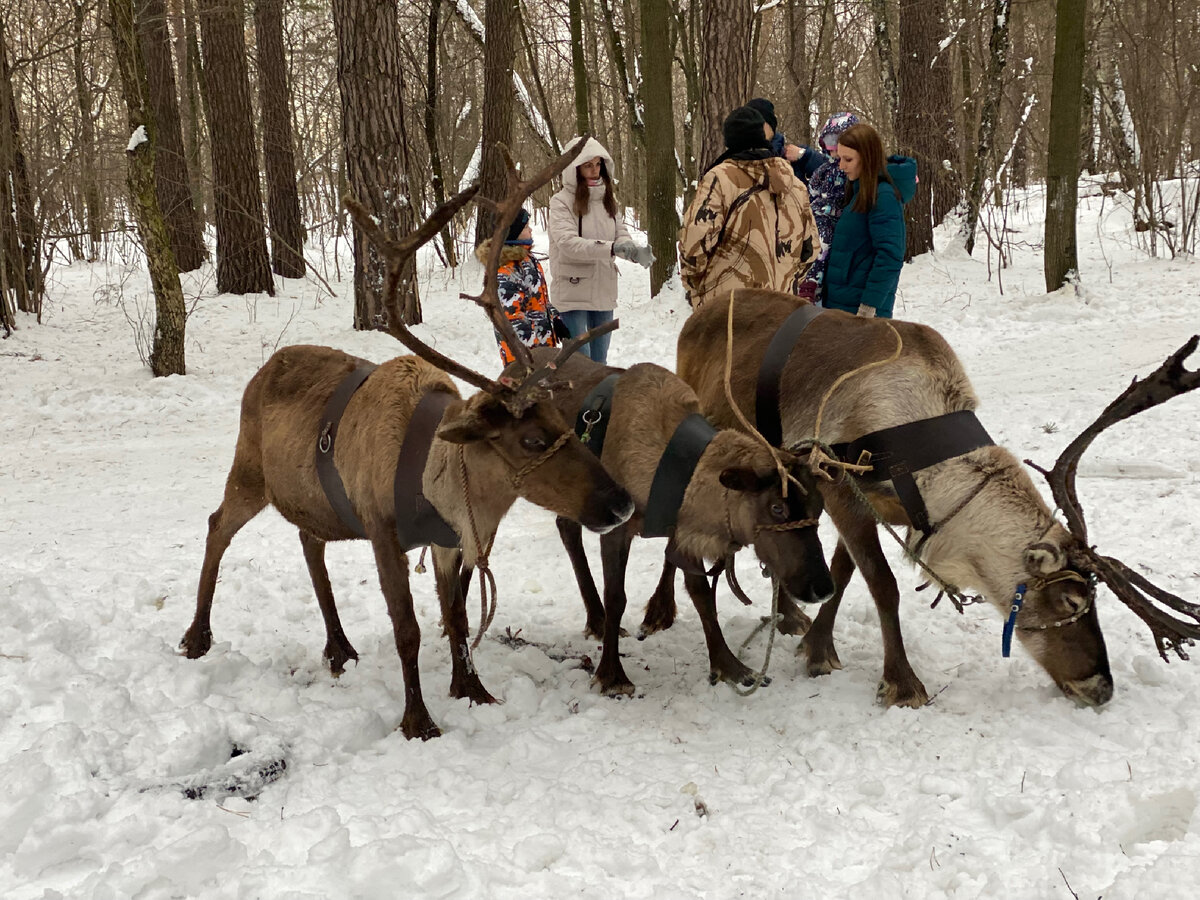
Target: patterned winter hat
(835, 125)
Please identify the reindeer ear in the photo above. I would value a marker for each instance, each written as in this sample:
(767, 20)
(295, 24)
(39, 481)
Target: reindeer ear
(1043, 558)
(741, 479)
(472, 424)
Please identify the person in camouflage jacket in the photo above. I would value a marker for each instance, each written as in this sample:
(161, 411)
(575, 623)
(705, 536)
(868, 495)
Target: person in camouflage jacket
(749, 224)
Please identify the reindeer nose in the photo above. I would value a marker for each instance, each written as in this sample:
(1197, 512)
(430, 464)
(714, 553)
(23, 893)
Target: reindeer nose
(1094, 691)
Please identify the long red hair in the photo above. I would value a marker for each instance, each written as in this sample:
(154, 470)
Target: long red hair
(865, 141)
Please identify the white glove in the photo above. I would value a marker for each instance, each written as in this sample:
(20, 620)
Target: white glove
(643, 256)
(867, 312)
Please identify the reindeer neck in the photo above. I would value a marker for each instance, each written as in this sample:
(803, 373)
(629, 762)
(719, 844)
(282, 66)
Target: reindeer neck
(487, 497)
(704, 524)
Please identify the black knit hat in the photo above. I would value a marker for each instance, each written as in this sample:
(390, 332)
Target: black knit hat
(518, 225)
(743, 130)
(767, 109)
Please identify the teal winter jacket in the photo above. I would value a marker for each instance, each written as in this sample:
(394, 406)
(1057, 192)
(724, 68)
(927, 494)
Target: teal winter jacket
(867, 252)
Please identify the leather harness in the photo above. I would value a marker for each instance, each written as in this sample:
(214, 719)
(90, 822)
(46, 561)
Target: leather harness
(894, 453)
(418, 523)
(675, 467)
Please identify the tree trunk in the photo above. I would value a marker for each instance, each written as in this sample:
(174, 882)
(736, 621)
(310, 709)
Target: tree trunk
(579, 77)
(90, 186)
(20, 232)
(1114, 111)
(243, 266)
(437, 177)
(925, 127)
(279, 158)
(188, 63)
(170, 165)
(887, 68)
(369, 81)
(167, 353)
(662, 219)
(500, 28)
(1062, 161)
(725, 36)
(989, 114)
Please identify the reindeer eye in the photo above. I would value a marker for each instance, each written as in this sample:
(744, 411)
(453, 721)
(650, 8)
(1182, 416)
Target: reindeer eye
(533, 443)
(778, 511)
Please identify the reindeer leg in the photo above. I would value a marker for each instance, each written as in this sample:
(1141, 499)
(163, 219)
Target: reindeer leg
(452, 579)
(393, 580)
(660, 608)
(793, 620)
(723, 665)
(244, 498)
(900, 685)
(572, 540)
(817, 644)
(337, 647)
(614, 550)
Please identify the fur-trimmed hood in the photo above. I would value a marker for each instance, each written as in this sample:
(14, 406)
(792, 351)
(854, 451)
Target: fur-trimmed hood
(508, 253)
(590, 150)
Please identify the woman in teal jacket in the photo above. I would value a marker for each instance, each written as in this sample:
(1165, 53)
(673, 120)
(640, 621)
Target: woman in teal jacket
(867, 252)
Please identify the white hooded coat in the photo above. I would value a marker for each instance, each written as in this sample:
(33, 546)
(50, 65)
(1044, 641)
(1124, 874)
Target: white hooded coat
(582, 269)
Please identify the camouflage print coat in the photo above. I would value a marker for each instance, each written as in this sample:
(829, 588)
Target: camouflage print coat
(749, 225)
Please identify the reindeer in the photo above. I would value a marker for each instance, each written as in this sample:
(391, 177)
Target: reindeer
(736, 496)
(503, 442)
(989, 527)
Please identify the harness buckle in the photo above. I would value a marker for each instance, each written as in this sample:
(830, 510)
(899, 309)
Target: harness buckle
(590, 418)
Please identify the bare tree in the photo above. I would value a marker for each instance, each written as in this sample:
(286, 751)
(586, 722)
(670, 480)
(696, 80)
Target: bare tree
(500, 18)
(279, 158)
(89, 184)
(243, 266)
(579, 77)
(1062, 162)
(663, 220)
(170, 165)
(989, 114)
(167, 354)
(372, 99)
(20, 235)
(725, 68)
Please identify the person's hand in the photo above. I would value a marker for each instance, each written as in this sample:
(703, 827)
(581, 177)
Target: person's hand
(791, 152)
(561, 331)
(867, 312)
(643, 256)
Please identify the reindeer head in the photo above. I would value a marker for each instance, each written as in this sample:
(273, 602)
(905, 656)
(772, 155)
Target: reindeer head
(1170, 632)
(547, 463)
(778, 517)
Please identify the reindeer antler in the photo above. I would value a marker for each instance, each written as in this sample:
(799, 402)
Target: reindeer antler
(398, 253)
(530, 385)
(1138, 593)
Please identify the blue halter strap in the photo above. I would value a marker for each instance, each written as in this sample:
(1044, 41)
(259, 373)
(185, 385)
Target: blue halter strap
(1011, 622)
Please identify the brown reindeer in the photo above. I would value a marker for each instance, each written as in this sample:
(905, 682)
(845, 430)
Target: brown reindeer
(734, 498)
(992, 530)
(503, 442)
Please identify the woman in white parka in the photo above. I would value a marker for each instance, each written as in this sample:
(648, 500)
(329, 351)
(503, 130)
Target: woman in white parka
(586, 232)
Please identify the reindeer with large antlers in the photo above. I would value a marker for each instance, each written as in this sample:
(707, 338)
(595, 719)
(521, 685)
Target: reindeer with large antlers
(975, 519)
(407, 449)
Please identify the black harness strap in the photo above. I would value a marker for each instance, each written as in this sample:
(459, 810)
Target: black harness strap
(766, 401)
(418, 523)
(331, 481)
(591, 424)
(675, 468)
(896, 453)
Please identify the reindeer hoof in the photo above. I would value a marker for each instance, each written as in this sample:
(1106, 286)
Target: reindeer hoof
(196, 642)
(819, 662)
(338, 655)
(472, 690)
(424, 731)
(616, 688)
(796, 623)
(912, 695)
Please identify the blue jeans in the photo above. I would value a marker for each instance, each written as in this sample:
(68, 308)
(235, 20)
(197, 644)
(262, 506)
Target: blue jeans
(581, 320)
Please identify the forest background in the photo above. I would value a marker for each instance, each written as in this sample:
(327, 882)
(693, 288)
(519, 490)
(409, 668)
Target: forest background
(230, 130)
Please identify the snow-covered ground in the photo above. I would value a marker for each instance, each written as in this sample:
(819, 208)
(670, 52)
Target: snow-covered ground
(113, 747)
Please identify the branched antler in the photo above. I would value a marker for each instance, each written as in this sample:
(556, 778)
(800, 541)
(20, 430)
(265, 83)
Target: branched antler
(398, 253)
(1137, 592)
